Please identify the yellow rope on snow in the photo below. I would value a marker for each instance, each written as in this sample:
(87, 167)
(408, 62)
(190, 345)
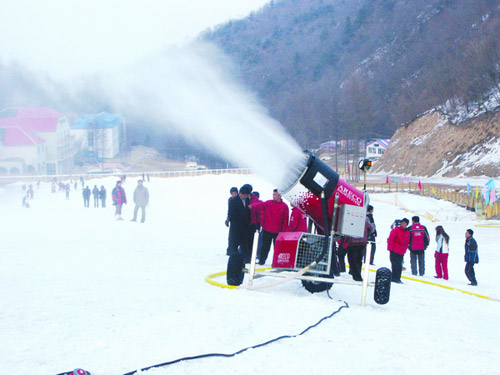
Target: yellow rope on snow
(445, 287)
(209, 280)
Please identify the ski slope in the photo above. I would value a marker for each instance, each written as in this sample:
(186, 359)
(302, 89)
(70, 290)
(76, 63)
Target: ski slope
(80, 289)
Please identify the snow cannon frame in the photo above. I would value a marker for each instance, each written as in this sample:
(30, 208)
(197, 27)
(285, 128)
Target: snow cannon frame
(337, 209)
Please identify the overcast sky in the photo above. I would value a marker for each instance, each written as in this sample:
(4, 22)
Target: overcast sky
(72, 37)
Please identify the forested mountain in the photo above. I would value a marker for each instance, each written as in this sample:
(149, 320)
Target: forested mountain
(326, 69)
(359, 68)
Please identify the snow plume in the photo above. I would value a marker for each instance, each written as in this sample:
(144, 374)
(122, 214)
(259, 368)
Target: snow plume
(193, 89)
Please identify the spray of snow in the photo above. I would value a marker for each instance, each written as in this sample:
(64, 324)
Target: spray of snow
(193, 89)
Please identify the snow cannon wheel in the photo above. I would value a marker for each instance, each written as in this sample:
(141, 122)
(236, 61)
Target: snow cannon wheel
(382, 285)
(316, 286)
(320, 286)
(235, 266)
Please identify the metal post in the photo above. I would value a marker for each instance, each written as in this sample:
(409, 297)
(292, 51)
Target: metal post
(366, 273)
(254, 257)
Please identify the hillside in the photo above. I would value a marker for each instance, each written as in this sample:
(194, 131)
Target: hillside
(433, 145)
(334, 68)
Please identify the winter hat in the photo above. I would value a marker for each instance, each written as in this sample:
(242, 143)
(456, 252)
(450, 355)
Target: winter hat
(245, 190)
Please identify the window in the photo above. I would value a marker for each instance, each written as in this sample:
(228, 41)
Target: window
(90, 139)
(51, 168)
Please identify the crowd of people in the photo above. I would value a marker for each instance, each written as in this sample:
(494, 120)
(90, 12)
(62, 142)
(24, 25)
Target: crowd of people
(247, 214)
(119, 198)
(118, 195)
(416, 238)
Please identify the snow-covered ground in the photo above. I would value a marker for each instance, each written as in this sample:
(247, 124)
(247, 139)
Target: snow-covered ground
(80, 289)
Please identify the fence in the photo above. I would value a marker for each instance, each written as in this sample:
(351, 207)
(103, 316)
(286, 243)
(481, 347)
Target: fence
(450, 193)
(164, 174)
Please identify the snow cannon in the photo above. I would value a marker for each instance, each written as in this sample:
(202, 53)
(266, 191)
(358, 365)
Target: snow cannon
(337, 209)
(311, 182)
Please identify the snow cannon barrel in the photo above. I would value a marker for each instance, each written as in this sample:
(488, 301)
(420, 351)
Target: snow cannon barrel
(308, 178)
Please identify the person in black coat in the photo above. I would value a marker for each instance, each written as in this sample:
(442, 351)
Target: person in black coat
(95, 193)
(102, 196)
(372, 235)
(471, 256)
(86, 196)
(239, 220)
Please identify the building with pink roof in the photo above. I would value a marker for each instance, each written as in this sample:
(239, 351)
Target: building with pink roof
(37, 139)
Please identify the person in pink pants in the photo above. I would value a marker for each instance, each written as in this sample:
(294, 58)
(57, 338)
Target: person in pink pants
(441, 254)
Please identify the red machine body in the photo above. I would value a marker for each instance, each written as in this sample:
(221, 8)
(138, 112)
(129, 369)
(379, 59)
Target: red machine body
(309, 180)
(310, 204)
(285, 249)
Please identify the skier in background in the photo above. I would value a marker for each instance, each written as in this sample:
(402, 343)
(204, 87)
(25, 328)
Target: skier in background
(95, 193)
(86, 196)
(141, 200)
(102, 196)
(119, 199)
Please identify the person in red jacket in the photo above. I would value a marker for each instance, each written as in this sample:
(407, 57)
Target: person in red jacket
(419, 240)
(397, 244)
(274, 220)
(298, 221)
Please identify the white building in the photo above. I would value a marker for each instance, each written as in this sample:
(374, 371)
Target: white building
(375, 148)
(102, 134)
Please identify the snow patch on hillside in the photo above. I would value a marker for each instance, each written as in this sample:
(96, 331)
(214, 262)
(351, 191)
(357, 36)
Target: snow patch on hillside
(483, 154)
(480, 155)
(463, 112)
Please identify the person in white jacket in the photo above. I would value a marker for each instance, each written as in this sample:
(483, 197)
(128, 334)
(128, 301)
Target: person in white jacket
(441, 254)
